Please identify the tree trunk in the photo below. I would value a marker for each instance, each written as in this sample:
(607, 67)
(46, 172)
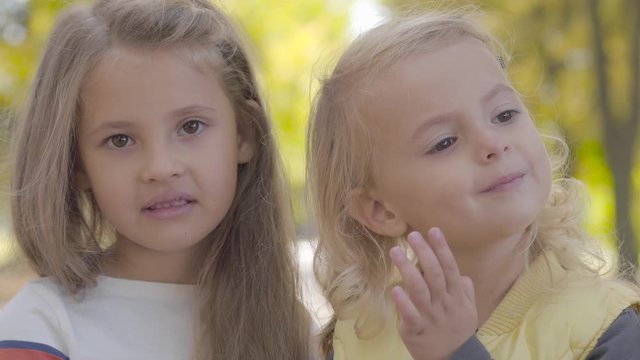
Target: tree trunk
(619, 133)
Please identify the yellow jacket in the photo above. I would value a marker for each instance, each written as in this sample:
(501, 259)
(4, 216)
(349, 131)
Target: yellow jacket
(549, 313)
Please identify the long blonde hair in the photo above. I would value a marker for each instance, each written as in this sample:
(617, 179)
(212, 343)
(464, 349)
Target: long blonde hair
(248, 293)
(351, 262)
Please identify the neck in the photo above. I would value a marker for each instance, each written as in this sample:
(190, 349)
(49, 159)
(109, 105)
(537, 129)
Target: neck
(130, 261)
(493, 271)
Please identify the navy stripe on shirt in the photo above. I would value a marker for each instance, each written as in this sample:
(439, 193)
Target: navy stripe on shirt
(28, 345)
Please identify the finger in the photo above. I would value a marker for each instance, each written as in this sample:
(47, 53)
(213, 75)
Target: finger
(469, 290)
(447, 261)
(432, 270)
(415, 285)
(410, 318)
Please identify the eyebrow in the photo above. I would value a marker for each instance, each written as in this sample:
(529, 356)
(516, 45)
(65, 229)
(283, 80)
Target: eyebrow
(123, 124)
(191, 109)
(442, 118)
(432, 121)
(497, 89)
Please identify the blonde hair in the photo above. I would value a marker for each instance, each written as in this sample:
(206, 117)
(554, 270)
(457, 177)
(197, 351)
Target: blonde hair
(248, 293)
(351, 262)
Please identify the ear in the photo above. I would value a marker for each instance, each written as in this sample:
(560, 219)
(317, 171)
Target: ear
(375, 214)
(247, 137)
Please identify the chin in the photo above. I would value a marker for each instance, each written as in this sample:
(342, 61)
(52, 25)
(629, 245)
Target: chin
(513, 233)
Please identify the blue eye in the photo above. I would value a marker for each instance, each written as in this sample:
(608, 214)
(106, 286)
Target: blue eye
(443, 145)
(505, 116)
(191, 127)
(119, 141)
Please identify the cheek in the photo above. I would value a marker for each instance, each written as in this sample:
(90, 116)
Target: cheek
(540, 167)
(217, 176)
(110, 191)
(546, 177)
(541, 162)
(111, 182)
(430, 199)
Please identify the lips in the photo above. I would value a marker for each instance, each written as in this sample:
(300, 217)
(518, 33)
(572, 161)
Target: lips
(169, 207)
(168, 201)
(504, 182)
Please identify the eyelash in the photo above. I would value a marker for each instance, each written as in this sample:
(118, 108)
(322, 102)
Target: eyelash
(446, 143)
(511, 113)
(443, 145)
(199, 122)
(109, 142)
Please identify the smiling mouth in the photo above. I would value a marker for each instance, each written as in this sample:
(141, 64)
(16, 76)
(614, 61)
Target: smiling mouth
(504, 183)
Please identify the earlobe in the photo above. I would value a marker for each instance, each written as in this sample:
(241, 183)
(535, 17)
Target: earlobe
(374, 214)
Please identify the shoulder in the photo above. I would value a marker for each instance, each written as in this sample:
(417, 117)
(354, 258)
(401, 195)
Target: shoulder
(591, 307)
(619, 341)
(38, 299)
(607, 295)
(32, 320)
(385, 343)
(596, 295)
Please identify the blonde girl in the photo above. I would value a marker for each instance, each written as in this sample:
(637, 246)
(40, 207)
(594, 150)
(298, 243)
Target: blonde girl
(148, 195)
(418, 132)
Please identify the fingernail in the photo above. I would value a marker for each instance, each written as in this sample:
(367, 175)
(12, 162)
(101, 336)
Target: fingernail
(414, 236)
(435, 232)
(396, 252)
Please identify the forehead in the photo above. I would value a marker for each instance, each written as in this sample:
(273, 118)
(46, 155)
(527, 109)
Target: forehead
(457, 64)
(138, 83)
(197, 58)
(438, 79)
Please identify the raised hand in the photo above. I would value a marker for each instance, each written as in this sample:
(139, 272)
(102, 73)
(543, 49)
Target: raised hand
(436, 306)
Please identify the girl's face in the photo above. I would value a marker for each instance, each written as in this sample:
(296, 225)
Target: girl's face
(454, 147)
(160, 150)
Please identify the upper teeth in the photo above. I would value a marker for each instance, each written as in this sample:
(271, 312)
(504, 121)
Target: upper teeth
(168, 204)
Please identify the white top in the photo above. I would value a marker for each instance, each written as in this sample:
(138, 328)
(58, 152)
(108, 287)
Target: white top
(116, 320)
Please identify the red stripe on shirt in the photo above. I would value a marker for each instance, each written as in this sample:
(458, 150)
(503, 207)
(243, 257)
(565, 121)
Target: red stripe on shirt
(26, 354)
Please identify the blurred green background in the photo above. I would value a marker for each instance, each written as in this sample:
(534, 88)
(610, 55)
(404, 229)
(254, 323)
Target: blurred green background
(575, 62)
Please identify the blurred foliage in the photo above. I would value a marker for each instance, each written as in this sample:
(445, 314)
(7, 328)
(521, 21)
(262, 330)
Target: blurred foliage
(18, 59)
(24, 28)
(552, 66)
(290, 37)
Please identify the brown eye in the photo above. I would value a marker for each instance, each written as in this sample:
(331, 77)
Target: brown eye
(119, 140)
(191, 127)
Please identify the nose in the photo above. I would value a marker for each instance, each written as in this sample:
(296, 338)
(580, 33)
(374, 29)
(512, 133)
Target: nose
(492, 143)
(161, 163)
